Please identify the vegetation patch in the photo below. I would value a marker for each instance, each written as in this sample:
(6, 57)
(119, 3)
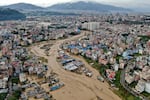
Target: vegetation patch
(3, 96)
(146, 94)
(15, 80)
(43, 59)
(15, 95)
(144, 38)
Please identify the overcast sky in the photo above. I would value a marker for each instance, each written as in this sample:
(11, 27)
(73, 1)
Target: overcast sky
(122, 3)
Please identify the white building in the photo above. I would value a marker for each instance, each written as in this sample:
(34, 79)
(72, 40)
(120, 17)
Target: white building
(147, 87)
(140, 86)
(116, 67)
(91, 26)
(22, 77)
(129, 79)
(3, 83)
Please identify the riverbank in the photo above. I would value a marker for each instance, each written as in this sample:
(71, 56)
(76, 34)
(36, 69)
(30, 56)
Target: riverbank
(77, 87)
(121, 92)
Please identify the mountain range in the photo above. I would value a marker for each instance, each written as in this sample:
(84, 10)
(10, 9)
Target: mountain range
(11, 14)
(23, 6)
(74, 6)
(86, 6)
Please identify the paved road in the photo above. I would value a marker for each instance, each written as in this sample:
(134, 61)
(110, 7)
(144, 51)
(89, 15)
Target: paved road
(129, 89)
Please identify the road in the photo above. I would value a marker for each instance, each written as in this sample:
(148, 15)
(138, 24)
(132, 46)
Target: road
(129, 89)
(77, 87)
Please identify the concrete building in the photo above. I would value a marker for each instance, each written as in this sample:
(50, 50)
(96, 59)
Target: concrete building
(147, 87)
(140, 86)
(22, 77)
(91, 26)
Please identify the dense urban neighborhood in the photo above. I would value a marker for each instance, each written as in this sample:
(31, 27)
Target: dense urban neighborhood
(76, 57)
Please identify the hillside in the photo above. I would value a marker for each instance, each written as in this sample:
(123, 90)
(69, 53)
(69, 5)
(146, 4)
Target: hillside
(23, 6)
(86, 6)
(9, 14)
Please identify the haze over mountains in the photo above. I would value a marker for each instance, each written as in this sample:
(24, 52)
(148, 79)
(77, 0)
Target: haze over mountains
(62, 8)
(75, 6)
(83, 5)
(23, 6)
(87, 6)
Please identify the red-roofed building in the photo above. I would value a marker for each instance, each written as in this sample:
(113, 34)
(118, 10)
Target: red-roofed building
(110, 74)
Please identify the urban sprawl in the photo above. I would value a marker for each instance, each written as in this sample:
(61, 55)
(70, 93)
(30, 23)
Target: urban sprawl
(45, 57)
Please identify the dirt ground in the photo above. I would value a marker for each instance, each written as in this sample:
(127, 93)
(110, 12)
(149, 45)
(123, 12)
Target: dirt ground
(77, 87)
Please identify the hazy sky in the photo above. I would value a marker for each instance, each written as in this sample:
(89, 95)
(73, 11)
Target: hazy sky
(122, 3)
